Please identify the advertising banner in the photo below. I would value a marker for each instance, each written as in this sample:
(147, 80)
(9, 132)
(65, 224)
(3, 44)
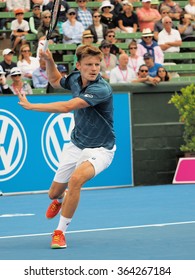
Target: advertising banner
(31, 144)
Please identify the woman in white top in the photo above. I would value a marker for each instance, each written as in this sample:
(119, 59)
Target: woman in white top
(18, 85)
(135, 60)
(26, 62)
(72, 29)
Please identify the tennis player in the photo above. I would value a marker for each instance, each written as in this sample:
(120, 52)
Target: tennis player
(92, 145)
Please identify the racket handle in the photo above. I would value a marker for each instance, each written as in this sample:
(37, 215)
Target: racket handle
(46, 45)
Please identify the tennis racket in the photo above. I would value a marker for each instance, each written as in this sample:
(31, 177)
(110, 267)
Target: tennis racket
(53, 22)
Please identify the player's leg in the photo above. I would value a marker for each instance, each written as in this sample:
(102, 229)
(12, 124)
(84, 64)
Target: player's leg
(81, 174)
(91, 163)
(56, 193)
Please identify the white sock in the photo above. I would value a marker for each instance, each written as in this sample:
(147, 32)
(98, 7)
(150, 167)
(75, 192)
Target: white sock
(63, 223)
(60, 199)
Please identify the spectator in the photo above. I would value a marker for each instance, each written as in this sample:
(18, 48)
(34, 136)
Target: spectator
(175, 9)
(18, 86)
(122, 73)
(164, 11)
(127, 21)
(144, 77)
(26, 62)
(44, 27)
(4, 88)
(7, 64)
(35, 20)
(162, 75)
(190, 9)
(147, 17)
(2, 20)
(149, 45)
(20, 28)
(84, 15)
(13, 5)
(152, 66)
(72, 29)
(62, 14)
(169, 39)
(110, 37)
(87, 38)
(39, 76)
(109, 60)
(185, 28)
(98, 29)
(107, 17)
(135, 60)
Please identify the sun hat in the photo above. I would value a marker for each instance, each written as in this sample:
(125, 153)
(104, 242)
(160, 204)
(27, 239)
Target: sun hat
(18, 11)
(7, 51)
(144, 1)
(106, 4)
(87, 34)
(71, 10)
(147, 32)
(147, 55)
(36, 6)
(15, 71)
(125, 2)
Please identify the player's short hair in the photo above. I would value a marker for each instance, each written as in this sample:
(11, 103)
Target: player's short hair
(88, 50)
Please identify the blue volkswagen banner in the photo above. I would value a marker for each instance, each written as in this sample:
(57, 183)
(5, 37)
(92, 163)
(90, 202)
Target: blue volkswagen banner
(31, 144)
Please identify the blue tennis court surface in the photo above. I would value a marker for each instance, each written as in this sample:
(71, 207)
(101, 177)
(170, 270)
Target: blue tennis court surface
(141, 223)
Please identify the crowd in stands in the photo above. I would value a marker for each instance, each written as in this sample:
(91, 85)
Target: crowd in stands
(163, 25)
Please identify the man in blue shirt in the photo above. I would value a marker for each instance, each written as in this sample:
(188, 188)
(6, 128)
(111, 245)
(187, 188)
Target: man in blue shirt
(152, 66)
(92, 145)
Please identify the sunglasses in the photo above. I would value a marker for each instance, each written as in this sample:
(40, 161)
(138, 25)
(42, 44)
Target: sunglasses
(106, 47)
(133, 48)
(146, 37)
(165, 12)
(161, 71)
(47, 17)
(72, 14)
(168, 22)
(111, 36)
(16, 75)
(25, 50)
(107, 7)
(143, 70)
(97, 16)
(80, 1)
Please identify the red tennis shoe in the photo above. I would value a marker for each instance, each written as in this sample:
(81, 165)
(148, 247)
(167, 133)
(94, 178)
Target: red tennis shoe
(58, 240)
(53, 209)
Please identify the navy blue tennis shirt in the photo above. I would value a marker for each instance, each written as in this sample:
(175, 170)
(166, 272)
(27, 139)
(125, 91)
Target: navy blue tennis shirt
(93, 124)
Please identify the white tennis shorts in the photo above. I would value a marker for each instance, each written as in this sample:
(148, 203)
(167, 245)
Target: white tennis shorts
(72, 157)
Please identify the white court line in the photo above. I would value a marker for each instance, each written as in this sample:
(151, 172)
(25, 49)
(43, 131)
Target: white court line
(100, 229)
(15, 215)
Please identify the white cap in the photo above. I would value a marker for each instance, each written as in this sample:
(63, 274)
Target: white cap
(144, 1)
(7, 51)
(106, 4)
(15, 71)
(2, 71)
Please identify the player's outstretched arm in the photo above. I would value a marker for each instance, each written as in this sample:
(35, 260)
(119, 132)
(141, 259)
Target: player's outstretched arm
(54, 107)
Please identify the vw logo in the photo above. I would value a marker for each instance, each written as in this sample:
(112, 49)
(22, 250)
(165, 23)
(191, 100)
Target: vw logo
(55, 135)
(13, 145)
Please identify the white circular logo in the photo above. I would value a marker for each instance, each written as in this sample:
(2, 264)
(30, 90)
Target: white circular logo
(55, 135)
(13, 145)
